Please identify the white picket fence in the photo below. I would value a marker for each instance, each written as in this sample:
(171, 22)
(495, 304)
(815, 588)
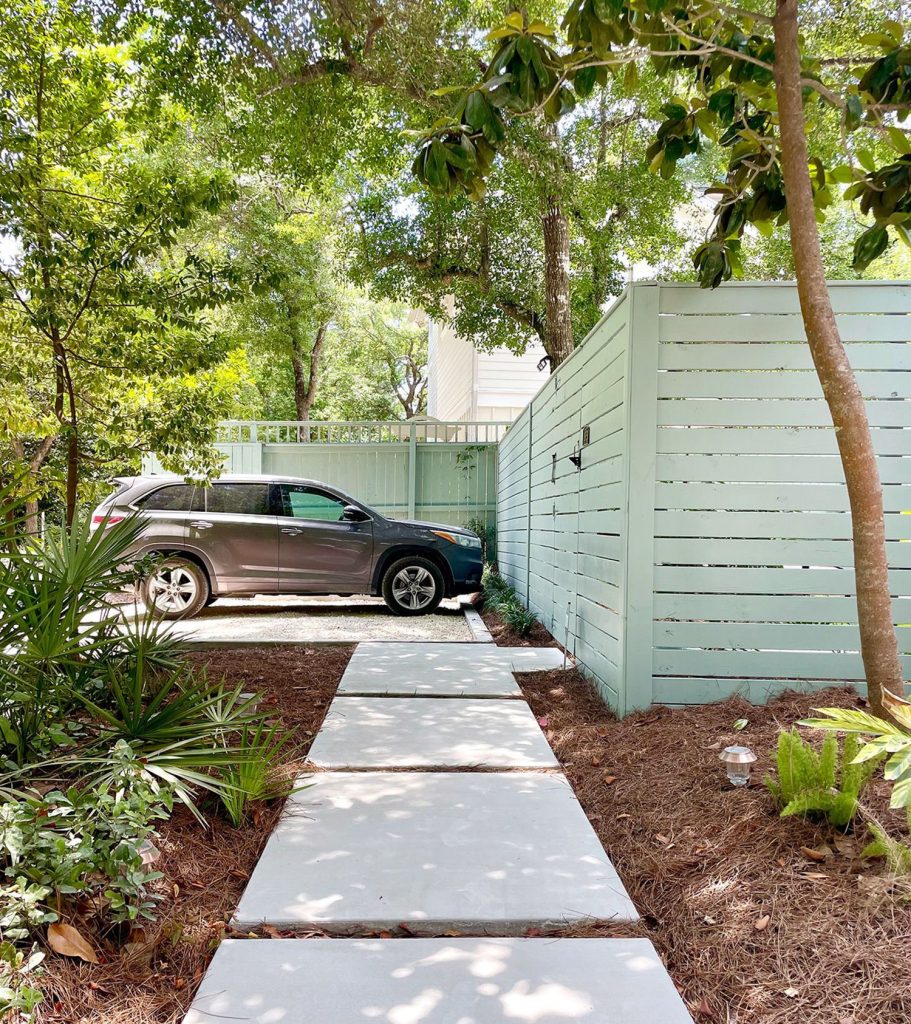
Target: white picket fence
(702, 547)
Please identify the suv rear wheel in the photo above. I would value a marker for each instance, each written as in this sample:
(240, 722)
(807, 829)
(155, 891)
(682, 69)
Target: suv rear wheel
(412, 586)
(178, 589)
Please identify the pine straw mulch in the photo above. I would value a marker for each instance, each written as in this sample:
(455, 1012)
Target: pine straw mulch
(505, 636)
(152, 978)
(751, 929)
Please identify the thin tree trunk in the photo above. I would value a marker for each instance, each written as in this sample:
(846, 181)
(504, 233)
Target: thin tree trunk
(306, 366)
(558, 328)
(879, 646)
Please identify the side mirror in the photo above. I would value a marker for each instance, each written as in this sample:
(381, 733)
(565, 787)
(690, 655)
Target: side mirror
(352, 514)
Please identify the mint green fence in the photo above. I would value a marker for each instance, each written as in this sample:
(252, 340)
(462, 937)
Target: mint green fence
(702, 547)
(440, 471)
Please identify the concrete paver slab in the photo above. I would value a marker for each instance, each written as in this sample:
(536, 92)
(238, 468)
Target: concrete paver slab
(429, 670)
(486, 851)
(438, 981)
(432, 732)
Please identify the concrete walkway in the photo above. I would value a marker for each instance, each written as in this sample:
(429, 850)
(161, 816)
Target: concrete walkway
(491, 853)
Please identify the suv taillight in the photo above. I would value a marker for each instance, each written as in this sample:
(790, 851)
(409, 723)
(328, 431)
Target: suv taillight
(100, 519)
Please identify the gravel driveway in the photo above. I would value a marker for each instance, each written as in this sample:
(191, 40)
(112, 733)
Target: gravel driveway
(308, 619)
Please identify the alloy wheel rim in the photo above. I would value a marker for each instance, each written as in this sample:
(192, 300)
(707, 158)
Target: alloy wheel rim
(173, 589)
(413, 587)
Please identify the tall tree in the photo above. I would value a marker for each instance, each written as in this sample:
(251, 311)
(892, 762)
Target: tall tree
(281, 245)
(98, 293)
(751, 85)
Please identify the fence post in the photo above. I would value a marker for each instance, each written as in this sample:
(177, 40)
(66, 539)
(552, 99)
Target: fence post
(641, 403)
(412, 470)
(531, 419)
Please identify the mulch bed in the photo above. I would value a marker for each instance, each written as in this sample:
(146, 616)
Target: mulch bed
(751, 929)
(151, 979)
(504, 636)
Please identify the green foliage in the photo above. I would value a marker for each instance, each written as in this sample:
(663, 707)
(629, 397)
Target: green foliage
(17, 995)
(825, 783)
(500, 597)
(722, 59)
(105, 311)
(84, 842)
(488, 536)
(888, 740)
(256, 774)
(897, 854)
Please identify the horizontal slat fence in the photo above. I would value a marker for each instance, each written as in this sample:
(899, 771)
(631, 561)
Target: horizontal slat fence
(721, 561)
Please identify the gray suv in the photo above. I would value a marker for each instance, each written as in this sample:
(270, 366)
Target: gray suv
(282, 535)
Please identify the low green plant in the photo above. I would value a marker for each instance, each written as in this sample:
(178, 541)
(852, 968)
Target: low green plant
(17, 994)
(85, 841)
(825, 783)
(896, 853)
(255, 775)
(492, 582)
(518, 618)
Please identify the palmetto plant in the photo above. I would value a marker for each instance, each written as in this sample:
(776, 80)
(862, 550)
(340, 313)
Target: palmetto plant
(76, 677)
(256, 776)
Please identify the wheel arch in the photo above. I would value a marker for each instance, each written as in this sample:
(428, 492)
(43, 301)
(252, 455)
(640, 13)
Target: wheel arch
(405, 551)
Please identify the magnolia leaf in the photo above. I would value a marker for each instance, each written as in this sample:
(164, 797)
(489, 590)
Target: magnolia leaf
(900, 140)
(515, 20)
(898, 708)
(67, 941)
(540, 28)
(764, 227)
(499, 33)
(865, 159)
(842, 174)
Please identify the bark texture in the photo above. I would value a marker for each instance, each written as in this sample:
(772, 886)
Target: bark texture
(879, 645)
(558, 327)
(306, 367)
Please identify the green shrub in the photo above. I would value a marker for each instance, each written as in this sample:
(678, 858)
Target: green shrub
(255, 776)
(82, 842)
(16, 994)
(486, 533)
(897, 854)
(825, 783)
(518, 618)
(492, 583)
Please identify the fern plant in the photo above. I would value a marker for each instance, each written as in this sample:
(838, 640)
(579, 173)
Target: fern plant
(825, 783)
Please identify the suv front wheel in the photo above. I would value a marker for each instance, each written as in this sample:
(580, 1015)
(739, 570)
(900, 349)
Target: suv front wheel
(412, 586)
(177, 589)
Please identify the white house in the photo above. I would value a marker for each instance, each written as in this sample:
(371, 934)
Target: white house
(465, 384)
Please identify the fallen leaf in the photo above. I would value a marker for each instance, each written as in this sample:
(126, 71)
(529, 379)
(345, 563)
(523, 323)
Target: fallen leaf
(619, 816)
(662, 839)
(817, 856)
(533, 933)
(596, 760)
(761, 923)
(709, 920)
(544, 722)
(780, 862)
(385, 935)
(180, 983)
(791, 993)
(741, 724)
(609, 780)
(845, 846)
(65, 940)
(271, 931)
(704, 1009)
(816, 876)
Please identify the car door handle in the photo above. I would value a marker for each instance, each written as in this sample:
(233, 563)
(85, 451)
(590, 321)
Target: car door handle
(291, 531)
(201, 524)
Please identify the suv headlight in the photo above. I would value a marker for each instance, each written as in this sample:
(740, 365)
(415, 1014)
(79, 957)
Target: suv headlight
(463, 540)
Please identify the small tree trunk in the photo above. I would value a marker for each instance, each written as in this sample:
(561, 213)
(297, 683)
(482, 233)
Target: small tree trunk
(878, 642)
(558, 328)
(306, 374)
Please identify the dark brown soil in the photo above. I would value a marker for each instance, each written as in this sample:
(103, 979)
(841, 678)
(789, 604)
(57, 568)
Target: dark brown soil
(751, 929)
(152, 979)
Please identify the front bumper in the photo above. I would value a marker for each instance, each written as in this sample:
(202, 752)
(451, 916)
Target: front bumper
(466, 566)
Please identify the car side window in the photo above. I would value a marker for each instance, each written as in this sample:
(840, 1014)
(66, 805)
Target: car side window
(171, 498)
(301, 502)
(238, 499)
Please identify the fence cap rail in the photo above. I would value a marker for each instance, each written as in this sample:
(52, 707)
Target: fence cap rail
(361, 431)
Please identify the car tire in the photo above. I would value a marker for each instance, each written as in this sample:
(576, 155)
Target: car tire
(178, 589)
(413, 586)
